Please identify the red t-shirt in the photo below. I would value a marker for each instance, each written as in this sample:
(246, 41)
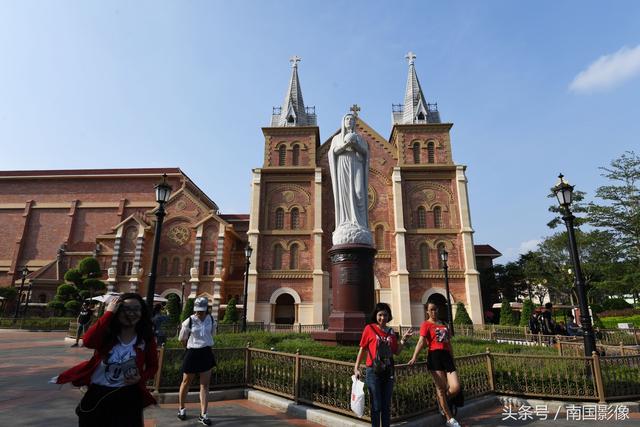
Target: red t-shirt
(369, 340)
(437, 336)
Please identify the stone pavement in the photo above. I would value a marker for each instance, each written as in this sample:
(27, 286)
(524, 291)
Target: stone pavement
(29, 359)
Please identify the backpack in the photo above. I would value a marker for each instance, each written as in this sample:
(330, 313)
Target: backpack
(383, 362)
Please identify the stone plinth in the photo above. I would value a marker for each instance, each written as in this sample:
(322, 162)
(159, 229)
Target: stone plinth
(353, 293)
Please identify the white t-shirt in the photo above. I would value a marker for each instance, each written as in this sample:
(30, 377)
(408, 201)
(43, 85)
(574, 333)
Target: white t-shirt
(120, 363)
(201, 332)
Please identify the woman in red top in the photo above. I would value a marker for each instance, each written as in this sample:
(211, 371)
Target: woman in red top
(125, 357)
(380, 343)
(439, 360)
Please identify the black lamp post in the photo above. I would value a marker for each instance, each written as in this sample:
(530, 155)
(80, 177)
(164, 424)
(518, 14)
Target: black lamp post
(26, 303)
(247, 254)
(564, 193)
(23, 273)
(163, 192)
(444, 256)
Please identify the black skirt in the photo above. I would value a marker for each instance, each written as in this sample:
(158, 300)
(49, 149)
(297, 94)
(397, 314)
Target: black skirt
(198, 360)
(440, 360)
(111, 407)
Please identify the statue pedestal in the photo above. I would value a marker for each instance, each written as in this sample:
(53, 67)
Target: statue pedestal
(353, 294)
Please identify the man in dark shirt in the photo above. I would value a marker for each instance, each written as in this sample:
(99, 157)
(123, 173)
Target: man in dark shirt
(84, 319)
(547, 325)
(572, 327)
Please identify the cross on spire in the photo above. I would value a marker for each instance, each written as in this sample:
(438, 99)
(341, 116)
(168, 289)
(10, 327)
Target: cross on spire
(411, 57)
(355, 109)
(294, 60)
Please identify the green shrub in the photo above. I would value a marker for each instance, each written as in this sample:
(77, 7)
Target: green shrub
(612, 322)
(462, 317)
(231, 313)
(615, 304)
(173, 308)
(527, 309)
(89, 267)
(506, 314)
(187, 310)
(72, 307)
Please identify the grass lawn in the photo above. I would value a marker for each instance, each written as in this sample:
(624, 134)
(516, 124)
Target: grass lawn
(612, 322)
(289, 343)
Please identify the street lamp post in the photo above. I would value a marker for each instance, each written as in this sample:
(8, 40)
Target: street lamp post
(564, 193)
(24, 273)
(26, 303)
(247, 254)
(163, 192)
(444, 256)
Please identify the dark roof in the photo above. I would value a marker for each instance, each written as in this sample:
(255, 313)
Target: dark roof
(235, 217)
(487, 250)
(74, 172)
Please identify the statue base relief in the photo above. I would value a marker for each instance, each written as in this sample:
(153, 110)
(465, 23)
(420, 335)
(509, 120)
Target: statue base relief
(352, 291)
(351, 233)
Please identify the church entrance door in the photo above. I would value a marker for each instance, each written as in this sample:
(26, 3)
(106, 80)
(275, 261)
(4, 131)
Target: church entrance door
(285, 312)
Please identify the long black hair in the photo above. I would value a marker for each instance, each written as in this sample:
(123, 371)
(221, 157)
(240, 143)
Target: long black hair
(381, 306)
(144, 327)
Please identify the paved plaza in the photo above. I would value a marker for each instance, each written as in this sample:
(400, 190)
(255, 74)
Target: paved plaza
(30, 359)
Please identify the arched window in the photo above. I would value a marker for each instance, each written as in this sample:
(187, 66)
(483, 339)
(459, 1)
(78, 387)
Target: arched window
(416, 152)
(437, 217)
(212, 267)
(187, 266)
(295, 218)
(175, 266)
(431, 156)
(420, 116)
(293, 257)
(295, 155)
(164, 266)
(277, 257)
(422, 217)
(279, 219)
(282, 155)
(379, 233)
(441, 248)
(424, 256)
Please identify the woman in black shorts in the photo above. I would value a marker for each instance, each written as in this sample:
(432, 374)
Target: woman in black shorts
(439, 360)
(197, 335)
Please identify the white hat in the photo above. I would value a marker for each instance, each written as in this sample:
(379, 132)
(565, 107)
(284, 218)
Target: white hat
(201, 304)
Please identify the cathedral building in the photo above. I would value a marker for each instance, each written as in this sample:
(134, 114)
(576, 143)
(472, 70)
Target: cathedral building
(418, 207)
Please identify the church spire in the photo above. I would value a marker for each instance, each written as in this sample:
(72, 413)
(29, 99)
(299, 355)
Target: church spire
(415, 108)
(293, 112)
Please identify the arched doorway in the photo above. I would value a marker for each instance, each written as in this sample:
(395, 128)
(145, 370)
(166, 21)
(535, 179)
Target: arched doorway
(285, 311)
(441, 302)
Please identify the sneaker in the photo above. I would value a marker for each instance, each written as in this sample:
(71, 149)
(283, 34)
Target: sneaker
(75, 345)
(206, 421)
(182, 414)
(453, 423)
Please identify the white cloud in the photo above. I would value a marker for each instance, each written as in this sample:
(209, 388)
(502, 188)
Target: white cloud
(529, 245)
(608, 71)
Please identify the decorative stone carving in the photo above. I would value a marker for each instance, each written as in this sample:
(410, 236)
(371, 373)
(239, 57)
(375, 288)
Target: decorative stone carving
(288, 196)
(349, 167)
(179, 234)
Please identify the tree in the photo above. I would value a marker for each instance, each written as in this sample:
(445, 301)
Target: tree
(527, 310)
(619, 210)
(187, 309)
(173, 308)
(82, 283)
(506, 314)
(231, 313)
(462, 317)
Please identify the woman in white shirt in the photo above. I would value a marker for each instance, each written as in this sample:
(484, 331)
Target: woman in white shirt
(196, 335)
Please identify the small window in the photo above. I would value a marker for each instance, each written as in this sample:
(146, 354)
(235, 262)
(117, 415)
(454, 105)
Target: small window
(416, 152)
(212, 266)
(431, 156)
(421, 116)
(129, 268)
(164, 266)
(282, 155)
(295, 160)
(379, 233)
(424, 256)
(279, 219)
(175, 267)
(290, 120)
(295, 218)
(422, 217)
(293, 257)
(437, 217)
(205, 268)
(277, 257)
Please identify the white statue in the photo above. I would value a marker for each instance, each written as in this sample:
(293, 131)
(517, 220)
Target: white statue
(349, 167)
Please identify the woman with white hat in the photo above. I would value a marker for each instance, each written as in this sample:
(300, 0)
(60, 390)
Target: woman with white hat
(196, 335)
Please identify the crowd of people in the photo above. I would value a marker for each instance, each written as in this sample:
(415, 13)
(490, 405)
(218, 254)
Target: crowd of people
(542, 322)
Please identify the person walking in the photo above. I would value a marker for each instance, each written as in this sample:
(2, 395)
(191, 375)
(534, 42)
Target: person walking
(125, 357)
(196, 334)
(158, 320)
(84, 319)
(380, 343)
(436, 336)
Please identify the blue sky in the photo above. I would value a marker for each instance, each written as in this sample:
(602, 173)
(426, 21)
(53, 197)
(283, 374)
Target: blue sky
(533, 88)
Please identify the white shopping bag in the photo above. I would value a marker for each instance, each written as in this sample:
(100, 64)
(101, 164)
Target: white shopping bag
(357, 396)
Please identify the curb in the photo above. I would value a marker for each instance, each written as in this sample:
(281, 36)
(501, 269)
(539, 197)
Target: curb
(194, 397)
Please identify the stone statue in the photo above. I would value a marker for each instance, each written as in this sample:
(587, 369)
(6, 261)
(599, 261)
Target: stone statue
(349, 167)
